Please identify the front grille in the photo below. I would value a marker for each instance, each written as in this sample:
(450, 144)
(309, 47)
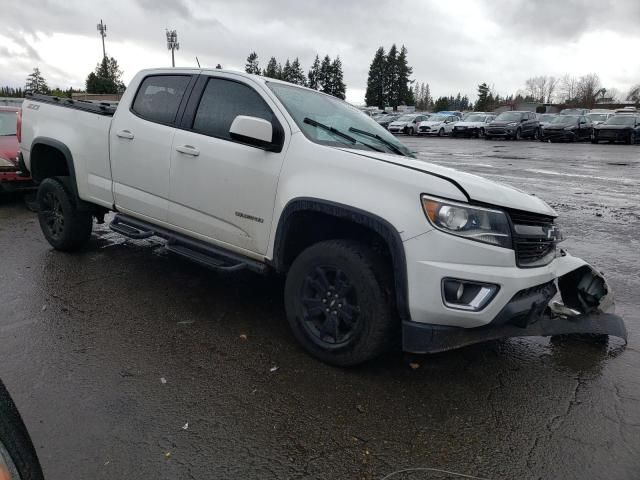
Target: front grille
(497, 131)
(534, 245)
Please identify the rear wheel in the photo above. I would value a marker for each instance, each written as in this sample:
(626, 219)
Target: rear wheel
(64, 226)
(480, 133)
(339, 302)
(536, 134)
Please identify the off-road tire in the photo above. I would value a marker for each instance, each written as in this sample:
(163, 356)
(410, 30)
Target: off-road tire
(371, 284)
(15, 439)
(71, 227)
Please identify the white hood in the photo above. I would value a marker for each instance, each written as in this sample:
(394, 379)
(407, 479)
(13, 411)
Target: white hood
(477, 188)
(398, 124)
(431, 123)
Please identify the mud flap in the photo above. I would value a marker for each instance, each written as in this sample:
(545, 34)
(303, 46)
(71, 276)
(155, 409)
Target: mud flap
(587, 308)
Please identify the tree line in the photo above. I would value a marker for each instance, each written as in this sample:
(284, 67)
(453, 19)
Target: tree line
(325, 76)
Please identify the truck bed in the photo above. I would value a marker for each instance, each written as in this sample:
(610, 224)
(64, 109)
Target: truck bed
(101, 108)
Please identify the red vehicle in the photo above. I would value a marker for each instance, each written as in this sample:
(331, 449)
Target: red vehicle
(10, 179)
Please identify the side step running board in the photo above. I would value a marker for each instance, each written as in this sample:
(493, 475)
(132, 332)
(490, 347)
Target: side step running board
(192, 249)
(118, 225)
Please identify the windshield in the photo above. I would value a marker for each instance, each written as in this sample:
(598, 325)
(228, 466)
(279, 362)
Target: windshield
(332, 112)
(475, 118)
(509, 117)
(7, 123)
(547, 117)
(598, 117)
(437, 118)
(621, 120)
(565, 119)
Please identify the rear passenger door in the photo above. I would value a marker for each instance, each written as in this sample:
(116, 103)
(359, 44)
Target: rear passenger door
(140, 145)
(223, 190)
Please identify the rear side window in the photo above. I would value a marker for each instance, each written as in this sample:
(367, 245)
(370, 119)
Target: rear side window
(222, 101)
(159, 97)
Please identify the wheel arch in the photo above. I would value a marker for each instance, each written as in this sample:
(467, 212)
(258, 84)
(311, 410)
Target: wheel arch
(286, 245)
(61, 165)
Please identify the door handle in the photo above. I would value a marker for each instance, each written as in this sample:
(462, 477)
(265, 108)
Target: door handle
(188, 150)
(125, 134)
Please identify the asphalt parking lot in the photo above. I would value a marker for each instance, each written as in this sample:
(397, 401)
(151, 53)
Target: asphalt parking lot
(129, 363)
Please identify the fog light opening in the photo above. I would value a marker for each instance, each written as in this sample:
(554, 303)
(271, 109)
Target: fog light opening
(467, 295)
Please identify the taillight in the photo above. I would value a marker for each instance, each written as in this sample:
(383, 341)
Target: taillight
(19, 126)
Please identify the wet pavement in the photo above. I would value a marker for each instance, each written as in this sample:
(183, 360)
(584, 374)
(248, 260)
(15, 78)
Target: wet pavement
(129, 363)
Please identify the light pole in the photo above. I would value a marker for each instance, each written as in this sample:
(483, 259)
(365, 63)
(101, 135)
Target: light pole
(172, 44)
(102, 29)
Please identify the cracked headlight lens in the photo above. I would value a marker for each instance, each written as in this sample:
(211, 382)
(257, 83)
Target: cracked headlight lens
(474, 223)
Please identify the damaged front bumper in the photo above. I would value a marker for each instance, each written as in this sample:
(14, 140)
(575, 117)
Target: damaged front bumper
(577, 302)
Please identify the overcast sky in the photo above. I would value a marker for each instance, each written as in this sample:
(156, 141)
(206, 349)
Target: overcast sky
(452, 45)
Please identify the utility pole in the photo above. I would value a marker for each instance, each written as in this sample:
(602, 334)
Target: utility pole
(172, 44)
(102, 29)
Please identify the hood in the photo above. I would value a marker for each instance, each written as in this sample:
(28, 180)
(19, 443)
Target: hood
(431, 123)
(9, 147)
(602, 126)
(477, 188)
(398, 124)
(502, 123)
(559, 126)
(469, 124)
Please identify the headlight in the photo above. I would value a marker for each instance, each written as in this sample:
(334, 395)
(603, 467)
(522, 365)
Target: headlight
(570, 128)
(512, 124)
(475, 223)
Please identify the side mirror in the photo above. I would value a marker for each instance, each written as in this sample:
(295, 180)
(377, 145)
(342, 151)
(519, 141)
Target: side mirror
(253, 131)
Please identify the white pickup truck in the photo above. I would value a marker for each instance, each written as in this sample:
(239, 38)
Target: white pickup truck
(240, 171)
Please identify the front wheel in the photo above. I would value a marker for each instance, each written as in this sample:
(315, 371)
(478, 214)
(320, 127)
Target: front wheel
(536, 134)
(339, 303)
(441, 132)
(410, 131)
(632, 138)
(480, 133)
(64, 226)
(518, 134)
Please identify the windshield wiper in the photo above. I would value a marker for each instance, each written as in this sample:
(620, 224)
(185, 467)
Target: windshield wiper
(337, 132)
(379, 138)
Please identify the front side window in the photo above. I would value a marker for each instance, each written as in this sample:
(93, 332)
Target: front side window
(159, 97)
(222, 101)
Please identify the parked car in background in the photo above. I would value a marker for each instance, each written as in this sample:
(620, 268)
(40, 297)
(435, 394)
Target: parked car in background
(599, 117)
(632, 110)
(473, 125)
(514, 125)
(10, 178)
(574, 111)
(457, 113)
(545, 118)
(619, 128)
(407, 124)
(567, 128)
(385, 120)
(438, 124)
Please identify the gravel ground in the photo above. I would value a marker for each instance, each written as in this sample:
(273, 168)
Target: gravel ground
(129, 363)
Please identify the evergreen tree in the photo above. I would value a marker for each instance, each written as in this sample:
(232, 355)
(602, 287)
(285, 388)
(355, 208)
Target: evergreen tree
(376, 94)
(314, 74)
(106, 78)
(441, 104)
(272, 68)
(36, 82)
(279, 72)
(324, 79)
(252, 64)
(338, 88)
(483, 104)
(392, 78)
(404, 71)
(296, 74)
(286, 72)
(11, 92)
(219, 67)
